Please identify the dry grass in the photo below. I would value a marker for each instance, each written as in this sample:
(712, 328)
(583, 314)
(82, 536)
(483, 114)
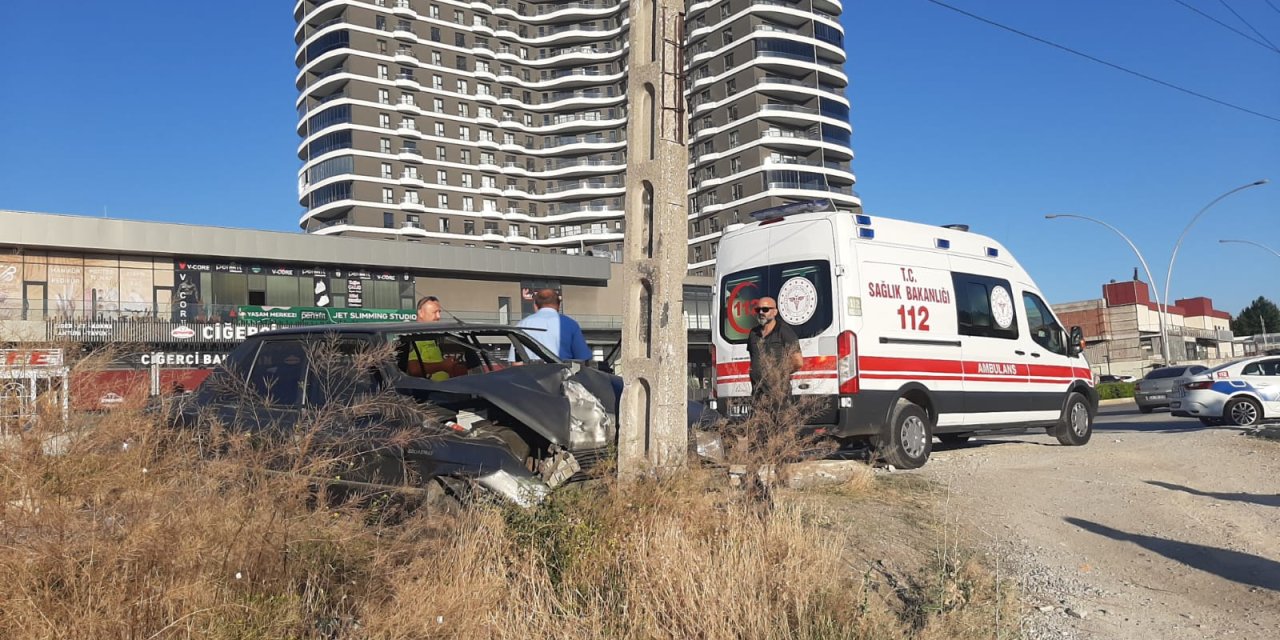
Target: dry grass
(129, 535)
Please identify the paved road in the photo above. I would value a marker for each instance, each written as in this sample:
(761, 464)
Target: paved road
(1158, 528)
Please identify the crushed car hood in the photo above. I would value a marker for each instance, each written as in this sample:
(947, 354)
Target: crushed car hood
(536, 395)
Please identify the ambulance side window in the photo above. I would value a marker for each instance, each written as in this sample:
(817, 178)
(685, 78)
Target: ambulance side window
(981, 314)
(1044, 329)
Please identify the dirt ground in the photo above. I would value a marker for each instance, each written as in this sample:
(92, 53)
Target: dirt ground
(1158, 528)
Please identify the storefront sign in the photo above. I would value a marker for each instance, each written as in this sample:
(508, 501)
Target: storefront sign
(83, 330)
(31, 358)
(320, 315)
(189, 359)
(355, 293)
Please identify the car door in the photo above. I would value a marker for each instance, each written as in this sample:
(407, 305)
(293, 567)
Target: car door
(274, 388)
(1050, 368)
(994, 361)
(1264, 377)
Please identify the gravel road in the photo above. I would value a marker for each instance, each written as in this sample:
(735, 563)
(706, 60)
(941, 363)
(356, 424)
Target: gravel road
(1158, 528)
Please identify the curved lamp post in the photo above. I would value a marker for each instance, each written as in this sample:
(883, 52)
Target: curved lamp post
(1164, 336)
(1256, 244)
(1169, 274)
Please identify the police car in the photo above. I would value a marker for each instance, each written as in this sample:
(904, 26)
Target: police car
(908, 331)
(1242, 393)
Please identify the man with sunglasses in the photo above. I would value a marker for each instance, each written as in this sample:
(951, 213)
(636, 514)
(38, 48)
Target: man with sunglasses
(774, 350)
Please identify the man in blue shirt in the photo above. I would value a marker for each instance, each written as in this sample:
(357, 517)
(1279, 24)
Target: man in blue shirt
(559, 333)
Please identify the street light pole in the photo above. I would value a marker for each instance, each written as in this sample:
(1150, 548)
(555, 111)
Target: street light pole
(1263, 246)
(1174, 256)
(1164, 335)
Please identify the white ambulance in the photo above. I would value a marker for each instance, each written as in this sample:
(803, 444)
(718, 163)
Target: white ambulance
(909, 331)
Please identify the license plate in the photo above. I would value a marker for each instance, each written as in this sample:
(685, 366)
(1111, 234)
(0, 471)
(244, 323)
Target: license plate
(1156, 396)
(1175, 405)
(739, 410)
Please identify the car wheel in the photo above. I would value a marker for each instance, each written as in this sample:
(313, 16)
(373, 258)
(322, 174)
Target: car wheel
(954, 438)
(1243, 412)
(1211, 422)
(908, 438)
(1145, 409)
(1076, 425)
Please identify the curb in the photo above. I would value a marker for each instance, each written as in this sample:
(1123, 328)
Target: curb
(1104, 403)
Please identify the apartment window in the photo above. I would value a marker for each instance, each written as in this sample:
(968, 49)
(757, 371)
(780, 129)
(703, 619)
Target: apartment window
(412, 219)
(460, 63)
(411, 197)
(464, 109)
(468, 203)
(444, 225)
(697, 227)
(466, 180)
(466, 156)
(487, 158)
(735, 165)
(384, 120)
(733, 138)
(490, 204)
(408, 123)
(434, 11)
(388, 220)
(488, 182)
(460, 39)
(435, 34)
(408, 98)
(386, 170)
(410, 172)
(436, 58)
(528, 120)
(380, 23)
(728, 57)
(383, 72)
(491, 228)
(384, 145)
(437, 82)
(440, 154)
(464, 133)
(733, 112)
(382, 46)
(384, 96)
(442, 201)
(736, 192)
(508, 138)
(469, 228)
(459, 17)
(485, 135)
(388, 195)
(727, 36)
(533, 233)
(697, 254)
(731, 86)
(440, 129)
(462, 86)
(442, 176)
(437, 105)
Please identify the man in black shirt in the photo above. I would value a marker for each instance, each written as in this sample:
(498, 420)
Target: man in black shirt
(774, 351)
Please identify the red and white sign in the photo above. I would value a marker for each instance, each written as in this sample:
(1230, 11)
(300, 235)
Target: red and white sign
(183, 332)
(28, 358)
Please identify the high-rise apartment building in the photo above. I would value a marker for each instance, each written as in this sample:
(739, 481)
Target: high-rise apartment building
(503, 124)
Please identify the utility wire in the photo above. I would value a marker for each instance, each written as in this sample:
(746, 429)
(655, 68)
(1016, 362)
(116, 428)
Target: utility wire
(1273, 7)
(1104, 62)
(1229, 27)
(1246, 23)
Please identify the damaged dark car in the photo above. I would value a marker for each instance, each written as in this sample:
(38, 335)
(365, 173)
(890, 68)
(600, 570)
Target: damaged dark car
(432, 406)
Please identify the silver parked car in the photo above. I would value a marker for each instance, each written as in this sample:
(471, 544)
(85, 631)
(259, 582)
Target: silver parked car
(1155, 390)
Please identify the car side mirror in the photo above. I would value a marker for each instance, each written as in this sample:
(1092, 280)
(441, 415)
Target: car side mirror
(1075, 342)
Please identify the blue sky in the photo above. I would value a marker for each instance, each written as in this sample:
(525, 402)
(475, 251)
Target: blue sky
(162, 111)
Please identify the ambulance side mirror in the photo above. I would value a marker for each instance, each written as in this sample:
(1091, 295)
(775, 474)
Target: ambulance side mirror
(1075, 342)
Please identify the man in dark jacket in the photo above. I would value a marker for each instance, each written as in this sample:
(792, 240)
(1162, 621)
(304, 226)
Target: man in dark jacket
(774, 351)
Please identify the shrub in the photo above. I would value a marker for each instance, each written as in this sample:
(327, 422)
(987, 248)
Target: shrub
(1114, 390)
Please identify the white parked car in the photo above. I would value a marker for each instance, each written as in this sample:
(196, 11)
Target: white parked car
(1243, 393)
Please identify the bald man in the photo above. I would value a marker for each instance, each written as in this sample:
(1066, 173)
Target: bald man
(771, 343)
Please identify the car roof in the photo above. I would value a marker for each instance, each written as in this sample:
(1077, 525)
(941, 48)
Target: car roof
(389, 327)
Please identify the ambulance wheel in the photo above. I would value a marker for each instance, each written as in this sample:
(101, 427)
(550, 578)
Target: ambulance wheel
(1076, 425)
(908, 438)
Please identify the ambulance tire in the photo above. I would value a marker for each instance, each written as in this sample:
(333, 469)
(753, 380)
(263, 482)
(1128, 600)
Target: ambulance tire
(907, 440)
(1076, 425)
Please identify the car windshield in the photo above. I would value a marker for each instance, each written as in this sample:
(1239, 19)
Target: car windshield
(1167, 372)
(1223, 366)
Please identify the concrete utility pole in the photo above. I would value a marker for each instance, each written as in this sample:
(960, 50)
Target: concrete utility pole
(652, 434)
